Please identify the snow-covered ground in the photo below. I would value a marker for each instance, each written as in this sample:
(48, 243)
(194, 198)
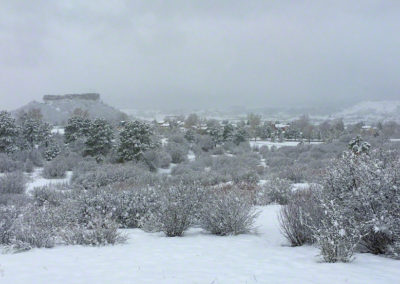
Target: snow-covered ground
(35, 179)
(58, 129)
(260, 143)
(197, 257)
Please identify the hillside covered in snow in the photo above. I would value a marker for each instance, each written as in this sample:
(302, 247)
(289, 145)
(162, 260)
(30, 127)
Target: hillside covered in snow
(371, 112)
(56, 109)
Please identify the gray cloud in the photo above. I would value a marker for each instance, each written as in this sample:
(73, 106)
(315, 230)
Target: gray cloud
(201, 53)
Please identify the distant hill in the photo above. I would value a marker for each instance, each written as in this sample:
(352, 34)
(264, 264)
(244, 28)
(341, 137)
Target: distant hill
(56, 109)
(371, 111)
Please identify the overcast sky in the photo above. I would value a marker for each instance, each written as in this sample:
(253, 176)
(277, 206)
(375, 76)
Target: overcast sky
(201, 54)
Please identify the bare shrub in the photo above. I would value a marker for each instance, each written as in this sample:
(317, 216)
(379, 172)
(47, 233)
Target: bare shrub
(12, 183)
(228, 212)
(297, 217)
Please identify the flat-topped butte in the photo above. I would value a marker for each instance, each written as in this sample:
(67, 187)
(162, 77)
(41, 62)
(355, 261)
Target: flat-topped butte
(86, 96)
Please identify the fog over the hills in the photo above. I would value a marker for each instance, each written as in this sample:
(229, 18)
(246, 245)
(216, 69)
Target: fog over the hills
(200, 54)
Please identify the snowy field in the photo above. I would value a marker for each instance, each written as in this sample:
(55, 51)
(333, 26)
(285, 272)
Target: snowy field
(197, 257)
(35, 179)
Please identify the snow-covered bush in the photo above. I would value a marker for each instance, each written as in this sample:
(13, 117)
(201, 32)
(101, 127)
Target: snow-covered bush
(177, 151)
(100, 176)
(12, 183)
(164, 159)
(275, 190)
(72, 160)
(300, 214)
(33, 155)
(360, 201)
(227, 212)
(33, 227)
(47, 195)
(8, 214)
(157, 159)
(7, 164)
(175, 209)
(56, 168)
(100, 230)
(28, 166)
(338, 234)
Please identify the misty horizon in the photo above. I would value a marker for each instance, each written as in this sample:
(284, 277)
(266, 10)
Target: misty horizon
(201, 55)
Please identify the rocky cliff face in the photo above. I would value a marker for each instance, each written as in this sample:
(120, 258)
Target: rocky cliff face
(57, 109)
(87, 96)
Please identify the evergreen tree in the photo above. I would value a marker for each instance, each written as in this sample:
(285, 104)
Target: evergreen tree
(228, 132)
(52, 150)
(34, 131)
(8, 133)
(77, 128)
(241, 135)
(358, 146)
(99, 139)
(135, 139)
(216, 134)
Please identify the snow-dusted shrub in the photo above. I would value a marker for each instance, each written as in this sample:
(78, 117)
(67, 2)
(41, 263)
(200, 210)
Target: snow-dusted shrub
(293, 172)
(337, 235)
(12, 183)
(218, 150)
(72, 160)
(47, 195)
(18, 200)
(157, 159)
(175, 209)
(205, 142)
(99, 176)
(264, 151)
(8, 214)
(28, 166)
(275, 190)
(88, 219)
(56, 168)
(299, 215)
(7, 164)
(360, 202)
(227, 212)
(177, 151)
(164, 159)
(243, 147)
(33, 155)
(34, 227)
(100, 230)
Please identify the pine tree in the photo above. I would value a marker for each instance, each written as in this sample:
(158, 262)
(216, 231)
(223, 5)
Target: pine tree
(8, 133)
(52, 150)
(77, 128)
(359, 146)
(34, 131)
(135, 139)
(227, 134)
(99, 139)
(241, 135)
